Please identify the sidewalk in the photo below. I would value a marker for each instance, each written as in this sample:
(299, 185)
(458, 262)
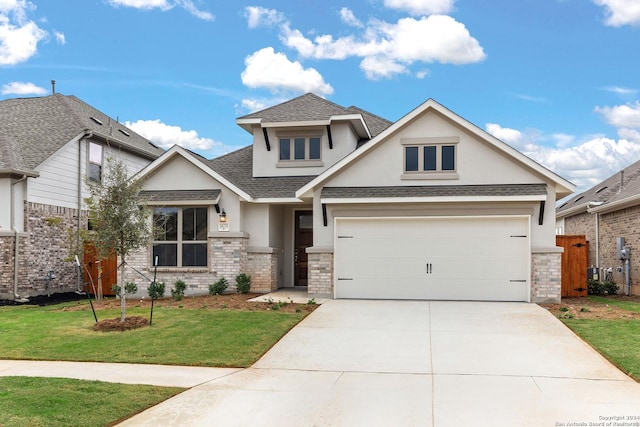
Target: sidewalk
(125, 373)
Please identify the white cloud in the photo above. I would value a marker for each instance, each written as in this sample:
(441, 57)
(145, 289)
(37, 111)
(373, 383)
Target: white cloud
(262, 17)
(22, 88)
(622, 116)
(252, 105)
(347, 16)
(166, 136)
(268, 69)
(621, 12)
(585, 164)
(436, 38)
(60, 37)
(164, 5)
(19, 36)
(621, 90)
(421, 7)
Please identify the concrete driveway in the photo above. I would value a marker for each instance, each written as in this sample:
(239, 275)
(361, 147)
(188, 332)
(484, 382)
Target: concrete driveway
(415, 363)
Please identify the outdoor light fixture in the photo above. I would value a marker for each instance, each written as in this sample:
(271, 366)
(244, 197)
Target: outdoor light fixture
(223, 216)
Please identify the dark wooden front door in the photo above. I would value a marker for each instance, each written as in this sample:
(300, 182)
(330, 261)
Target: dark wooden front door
(575, 259)
(303, 239)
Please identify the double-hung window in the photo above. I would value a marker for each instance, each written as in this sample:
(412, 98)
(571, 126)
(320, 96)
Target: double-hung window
(299, 148)
(95, 162)
(181, 236)
(430, 158)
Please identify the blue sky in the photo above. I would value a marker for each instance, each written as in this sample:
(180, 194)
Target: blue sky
(557, 79)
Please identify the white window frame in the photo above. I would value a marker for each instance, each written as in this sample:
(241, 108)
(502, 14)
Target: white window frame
(91, 161)
(421, 143)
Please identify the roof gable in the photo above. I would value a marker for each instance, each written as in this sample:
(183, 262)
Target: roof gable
(562, 186)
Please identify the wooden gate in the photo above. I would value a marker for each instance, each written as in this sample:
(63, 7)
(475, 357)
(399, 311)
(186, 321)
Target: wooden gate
(575, 259)
(103, 272)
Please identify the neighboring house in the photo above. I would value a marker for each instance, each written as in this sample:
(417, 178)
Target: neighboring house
(606, 212)
(353, 206)
(49, 147)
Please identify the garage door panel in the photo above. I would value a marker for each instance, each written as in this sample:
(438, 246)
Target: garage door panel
(433, 258)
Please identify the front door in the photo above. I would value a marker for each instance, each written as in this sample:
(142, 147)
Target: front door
(303, 239)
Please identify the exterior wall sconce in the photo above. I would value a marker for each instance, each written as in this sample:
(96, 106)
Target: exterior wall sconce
(222, 216)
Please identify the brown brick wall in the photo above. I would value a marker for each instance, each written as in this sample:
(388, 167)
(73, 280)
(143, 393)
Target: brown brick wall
(622, 223)
(43, 246)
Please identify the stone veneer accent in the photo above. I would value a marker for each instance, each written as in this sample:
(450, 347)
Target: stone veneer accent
(42, 247)
(320, 273)
(546, 285)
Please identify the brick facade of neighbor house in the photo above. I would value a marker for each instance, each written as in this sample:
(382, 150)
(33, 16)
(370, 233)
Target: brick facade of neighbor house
(545, 277)
(43, 247)
(583, 224)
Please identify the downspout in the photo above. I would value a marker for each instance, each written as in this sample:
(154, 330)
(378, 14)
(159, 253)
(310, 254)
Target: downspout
(597, 240)
(16, 253)
(87, 134)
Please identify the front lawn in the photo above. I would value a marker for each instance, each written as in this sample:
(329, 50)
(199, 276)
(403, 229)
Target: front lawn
(609, 324)
(178, 336)
(53, 402)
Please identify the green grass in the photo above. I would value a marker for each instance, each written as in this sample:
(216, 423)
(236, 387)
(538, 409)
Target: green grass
(36, 402)
(196, 337)
(618, 340)
(626, 305)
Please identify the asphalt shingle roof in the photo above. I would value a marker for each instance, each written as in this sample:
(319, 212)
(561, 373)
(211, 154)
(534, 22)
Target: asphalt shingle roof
(32, 129)
(621, 185)
(435, 191)
(237, 167)
(310, 107)
(180, 195)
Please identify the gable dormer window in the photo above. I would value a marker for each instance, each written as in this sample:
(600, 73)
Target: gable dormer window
(300, 150)
(430, 158)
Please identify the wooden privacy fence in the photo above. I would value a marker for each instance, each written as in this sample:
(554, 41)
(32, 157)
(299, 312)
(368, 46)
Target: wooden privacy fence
(575, 259)
(104, 273)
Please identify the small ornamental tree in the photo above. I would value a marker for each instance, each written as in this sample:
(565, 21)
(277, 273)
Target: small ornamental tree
(119, 220)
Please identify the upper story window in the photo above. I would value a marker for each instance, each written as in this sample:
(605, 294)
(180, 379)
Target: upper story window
(95, 162)
(426, 158)
(300, 148)
(182, 236)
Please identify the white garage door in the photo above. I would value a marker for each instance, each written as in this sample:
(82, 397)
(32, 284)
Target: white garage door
(478, 258)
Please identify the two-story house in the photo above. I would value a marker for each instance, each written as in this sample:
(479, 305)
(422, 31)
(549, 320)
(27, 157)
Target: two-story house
(51, 148)
(353, 206)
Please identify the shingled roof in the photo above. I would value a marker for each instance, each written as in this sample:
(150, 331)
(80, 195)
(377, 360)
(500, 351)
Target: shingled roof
(32, 129)
(311, 107)
(621, 186)
(237, 167)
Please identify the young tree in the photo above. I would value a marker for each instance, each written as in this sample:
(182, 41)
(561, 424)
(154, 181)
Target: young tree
(119, 220)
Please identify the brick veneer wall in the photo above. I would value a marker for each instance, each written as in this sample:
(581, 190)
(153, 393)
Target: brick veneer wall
(263, 269)
(545, 277)
(42, 247)
(320, 274)
(228, 257)
(584, 223)
(622, 223)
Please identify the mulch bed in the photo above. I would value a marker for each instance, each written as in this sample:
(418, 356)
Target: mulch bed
(584, 308)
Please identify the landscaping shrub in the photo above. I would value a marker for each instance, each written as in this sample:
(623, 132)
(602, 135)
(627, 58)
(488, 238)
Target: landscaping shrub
(129, 289)
(243, 283)
(218, 287)
(156, 290)
(178, 290)
(596, 287)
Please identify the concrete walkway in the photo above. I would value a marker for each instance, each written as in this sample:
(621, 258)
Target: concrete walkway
(414, 363)
(392, 363)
